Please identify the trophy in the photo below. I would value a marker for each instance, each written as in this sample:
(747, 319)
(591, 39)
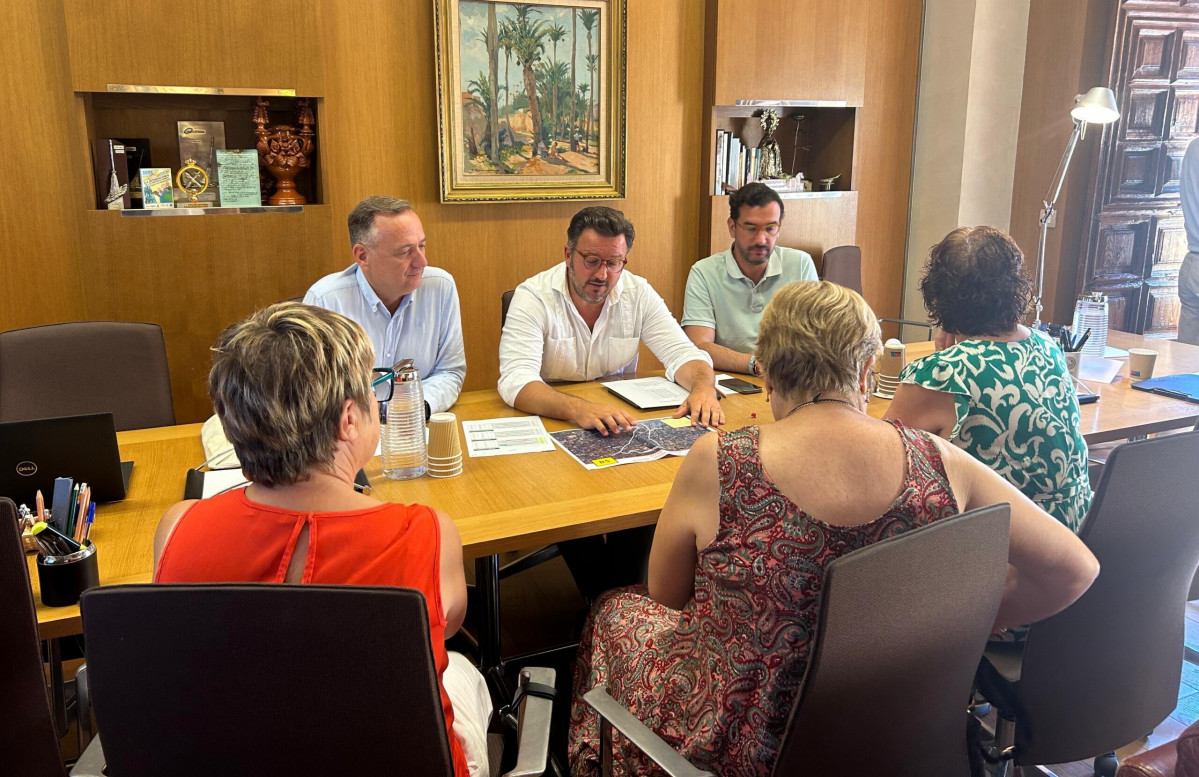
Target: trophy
(192, 179)
(284, 151)
(772, 158)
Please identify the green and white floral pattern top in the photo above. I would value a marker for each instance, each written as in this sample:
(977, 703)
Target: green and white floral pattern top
(1017, 412)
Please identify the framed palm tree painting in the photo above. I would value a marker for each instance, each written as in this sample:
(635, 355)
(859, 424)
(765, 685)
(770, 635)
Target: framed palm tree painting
(531, 99)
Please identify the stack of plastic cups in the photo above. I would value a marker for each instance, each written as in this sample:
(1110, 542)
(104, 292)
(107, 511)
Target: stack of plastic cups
(404, 435)
(445, 446)
(1091, 313)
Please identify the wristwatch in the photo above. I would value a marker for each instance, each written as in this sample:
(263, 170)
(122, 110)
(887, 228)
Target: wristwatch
(753, 364)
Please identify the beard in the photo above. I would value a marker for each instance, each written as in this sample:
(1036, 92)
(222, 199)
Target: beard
(756, 254)
(590, 293)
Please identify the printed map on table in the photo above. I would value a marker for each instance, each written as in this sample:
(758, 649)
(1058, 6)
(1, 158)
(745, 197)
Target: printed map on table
(648, 441)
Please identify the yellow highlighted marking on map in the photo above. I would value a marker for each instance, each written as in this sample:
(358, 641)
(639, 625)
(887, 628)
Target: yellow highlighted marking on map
(604, 462)
(677, 423)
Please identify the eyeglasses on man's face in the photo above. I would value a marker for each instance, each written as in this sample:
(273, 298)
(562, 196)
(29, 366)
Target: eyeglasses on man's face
(593, 262)
(383, 381)
(771, 229)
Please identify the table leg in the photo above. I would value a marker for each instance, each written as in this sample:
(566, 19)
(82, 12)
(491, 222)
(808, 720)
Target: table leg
(487, 582)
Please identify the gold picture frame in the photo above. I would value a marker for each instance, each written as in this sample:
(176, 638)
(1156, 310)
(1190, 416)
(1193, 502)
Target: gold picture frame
(482, 48)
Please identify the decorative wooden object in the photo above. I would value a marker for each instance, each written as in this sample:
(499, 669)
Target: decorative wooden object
(283, 151)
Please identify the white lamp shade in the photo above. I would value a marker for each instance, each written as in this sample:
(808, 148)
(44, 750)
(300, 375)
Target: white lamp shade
(1097, 106)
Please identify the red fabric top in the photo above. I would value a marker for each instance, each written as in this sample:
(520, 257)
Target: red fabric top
(228, 538)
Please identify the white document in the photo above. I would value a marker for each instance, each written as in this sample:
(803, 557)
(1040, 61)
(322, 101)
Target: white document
(504, 436)
(648, 393)
(218, 481)
(1098, 370)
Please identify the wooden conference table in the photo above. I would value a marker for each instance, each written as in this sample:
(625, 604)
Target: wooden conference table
(505, 503)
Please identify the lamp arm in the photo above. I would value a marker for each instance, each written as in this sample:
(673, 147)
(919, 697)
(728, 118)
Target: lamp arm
(1055, 190)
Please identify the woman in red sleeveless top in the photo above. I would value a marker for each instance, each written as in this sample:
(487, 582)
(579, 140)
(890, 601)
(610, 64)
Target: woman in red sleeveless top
(292, 386)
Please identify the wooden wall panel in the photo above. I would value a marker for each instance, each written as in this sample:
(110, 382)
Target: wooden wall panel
(883, 169)
(244, 43)
(826, 40)
(41, 194)
(194, 275)
(385, 119)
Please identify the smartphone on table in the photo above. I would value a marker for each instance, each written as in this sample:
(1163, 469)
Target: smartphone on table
(740, 386)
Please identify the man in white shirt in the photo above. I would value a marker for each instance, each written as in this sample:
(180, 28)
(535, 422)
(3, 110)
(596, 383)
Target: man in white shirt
(585, 319)
(727, 292)
(409, 309)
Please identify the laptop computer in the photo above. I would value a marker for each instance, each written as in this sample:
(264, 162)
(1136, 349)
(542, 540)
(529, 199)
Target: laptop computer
(83, 447)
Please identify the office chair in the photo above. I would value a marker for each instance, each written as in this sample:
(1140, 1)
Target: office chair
(843, 265)
(252, 679)
(1105, 671)
(505, 303)
(902, 624)
(87, 367)
(29, 743)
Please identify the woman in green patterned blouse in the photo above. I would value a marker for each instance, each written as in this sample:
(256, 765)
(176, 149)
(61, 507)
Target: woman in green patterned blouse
(994, 387)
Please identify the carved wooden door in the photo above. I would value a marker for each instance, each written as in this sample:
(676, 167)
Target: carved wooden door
(1136, 240)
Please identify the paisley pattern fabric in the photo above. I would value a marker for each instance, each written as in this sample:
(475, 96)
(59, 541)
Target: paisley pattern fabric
(718, 679)
(1017, 412)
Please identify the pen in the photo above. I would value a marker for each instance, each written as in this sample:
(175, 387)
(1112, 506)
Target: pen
(1083, 341)
(85, 499)
(68, 520)
(43, 530)
(41, 506)
(91, 517)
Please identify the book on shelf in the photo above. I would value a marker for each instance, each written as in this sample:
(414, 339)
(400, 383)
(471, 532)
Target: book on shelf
(722, 150)
(734, 157)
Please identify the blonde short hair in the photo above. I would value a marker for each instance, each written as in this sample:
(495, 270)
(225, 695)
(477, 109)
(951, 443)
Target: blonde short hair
(279, 381)
(816, 337)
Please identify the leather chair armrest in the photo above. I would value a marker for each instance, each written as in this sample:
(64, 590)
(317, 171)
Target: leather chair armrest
(533, 731)
(91, 763)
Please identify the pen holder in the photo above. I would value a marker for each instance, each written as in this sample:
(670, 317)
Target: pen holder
(63, 579)
(1072, 360)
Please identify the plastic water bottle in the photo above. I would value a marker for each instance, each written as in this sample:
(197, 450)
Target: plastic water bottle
(1091, 313)
(404, 456)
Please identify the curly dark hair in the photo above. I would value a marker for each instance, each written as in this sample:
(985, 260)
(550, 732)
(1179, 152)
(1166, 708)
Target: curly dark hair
(974, 283)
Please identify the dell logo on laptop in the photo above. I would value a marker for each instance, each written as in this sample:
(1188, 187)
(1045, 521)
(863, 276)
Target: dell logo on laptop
(27, 468)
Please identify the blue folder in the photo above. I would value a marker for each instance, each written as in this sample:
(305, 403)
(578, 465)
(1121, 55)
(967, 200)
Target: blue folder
(1185, 386)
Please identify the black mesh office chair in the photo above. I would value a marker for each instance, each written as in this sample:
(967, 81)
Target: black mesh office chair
(192, 680)
(87, 367)
(1105, 671)
(29, 741)
(902, 625)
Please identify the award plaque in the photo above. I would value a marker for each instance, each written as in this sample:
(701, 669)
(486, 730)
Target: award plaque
(199, 141)
(193, 181)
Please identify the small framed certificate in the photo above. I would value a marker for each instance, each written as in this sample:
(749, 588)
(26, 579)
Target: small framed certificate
(237, 173)
(157, 191)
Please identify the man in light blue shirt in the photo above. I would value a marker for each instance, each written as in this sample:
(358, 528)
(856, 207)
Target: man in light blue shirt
(1188, 274)
(727, 292)
(409, 309)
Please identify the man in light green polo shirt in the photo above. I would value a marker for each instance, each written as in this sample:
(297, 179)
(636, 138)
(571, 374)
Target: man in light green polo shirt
(727, 292)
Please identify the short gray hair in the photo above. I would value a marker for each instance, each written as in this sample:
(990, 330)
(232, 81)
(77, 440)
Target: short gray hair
(362, 218)
(279, 381)
(608, 222)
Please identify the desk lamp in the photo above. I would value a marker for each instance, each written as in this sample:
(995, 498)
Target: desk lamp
(1097, 106)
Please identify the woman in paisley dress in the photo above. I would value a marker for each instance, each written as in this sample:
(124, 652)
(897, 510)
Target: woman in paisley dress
(712, 654)
(994, 388)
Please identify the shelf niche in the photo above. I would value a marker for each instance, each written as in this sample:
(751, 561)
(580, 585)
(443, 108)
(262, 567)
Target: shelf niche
(155, 115)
